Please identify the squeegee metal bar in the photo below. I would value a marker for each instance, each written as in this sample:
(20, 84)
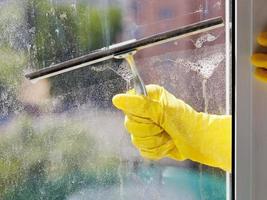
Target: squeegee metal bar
(110, 52)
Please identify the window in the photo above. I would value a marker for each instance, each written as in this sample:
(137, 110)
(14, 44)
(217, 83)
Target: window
(61, 138)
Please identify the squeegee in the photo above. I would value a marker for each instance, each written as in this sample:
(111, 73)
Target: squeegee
(126, 50)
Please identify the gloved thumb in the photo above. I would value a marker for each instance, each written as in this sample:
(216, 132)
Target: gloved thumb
(138, 105)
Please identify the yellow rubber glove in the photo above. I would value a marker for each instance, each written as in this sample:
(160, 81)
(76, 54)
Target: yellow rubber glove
(163, 126)
(259, 60)
(152, 141)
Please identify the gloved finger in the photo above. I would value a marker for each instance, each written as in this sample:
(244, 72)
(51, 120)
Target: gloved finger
(261, 74)
(159, 152)
(151, 142)
(262, 39)
(139, 119)
(141, 129)
(259, 60)
(137, 105)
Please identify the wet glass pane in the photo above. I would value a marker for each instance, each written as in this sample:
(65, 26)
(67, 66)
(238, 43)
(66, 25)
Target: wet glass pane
(61, 138)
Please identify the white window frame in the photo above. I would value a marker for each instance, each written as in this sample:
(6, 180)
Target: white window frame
(243, 101)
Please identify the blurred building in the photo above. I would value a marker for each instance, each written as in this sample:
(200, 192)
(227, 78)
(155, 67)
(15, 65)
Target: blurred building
(149, 17)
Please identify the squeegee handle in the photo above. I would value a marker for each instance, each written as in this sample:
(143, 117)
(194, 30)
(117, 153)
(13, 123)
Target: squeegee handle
(139, 85)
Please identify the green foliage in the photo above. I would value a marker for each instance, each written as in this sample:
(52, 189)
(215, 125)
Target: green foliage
(12, 60)
(11, 19)
(50, 162)
(11, 64)
(54, 33)
(63, 32)
(41, 159)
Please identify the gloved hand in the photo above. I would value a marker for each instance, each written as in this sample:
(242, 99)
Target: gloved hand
(152, 141)
(259, 60)
(163, 126)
